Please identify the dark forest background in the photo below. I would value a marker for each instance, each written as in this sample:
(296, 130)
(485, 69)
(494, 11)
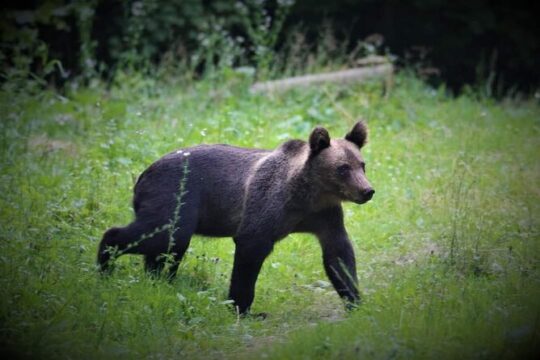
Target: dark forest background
(456, 42)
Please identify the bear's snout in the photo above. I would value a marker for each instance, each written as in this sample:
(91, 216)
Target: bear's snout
(368, 194)
(363, 195)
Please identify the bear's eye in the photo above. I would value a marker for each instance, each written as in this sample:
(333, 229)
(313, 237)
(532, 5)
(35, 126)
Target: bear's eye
(343, 170)
(363, 165)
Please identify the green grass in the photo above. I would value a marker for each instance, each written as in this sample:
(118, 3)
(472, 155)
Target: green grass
(447, 252)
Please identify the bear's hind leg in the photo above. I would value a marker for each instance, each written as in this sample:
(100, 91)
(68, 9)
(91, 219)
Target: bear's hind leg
(118, 241)
(154, 264)
(176, 243)
(248, 259)
(182, 238)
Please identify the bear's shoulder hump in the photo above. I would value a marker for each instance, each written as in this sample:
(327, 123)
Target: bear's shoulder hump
(293, 146)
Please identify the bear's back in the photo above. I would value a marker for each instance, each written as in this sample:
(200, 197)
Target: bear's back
(215, 182)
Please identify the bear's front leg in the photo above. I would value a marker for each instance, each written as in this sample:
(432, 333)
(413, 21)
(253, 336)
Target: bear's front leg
(248, 259)
(338, 253)
(340, 265)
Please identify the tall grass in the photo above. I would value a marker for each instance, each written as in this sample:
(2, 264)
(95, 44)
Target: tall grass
(447, 251)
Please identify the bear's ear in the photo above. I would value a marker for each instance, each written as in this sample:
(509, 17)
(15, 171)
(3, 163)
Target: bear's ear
(319, 140)
(358, 134)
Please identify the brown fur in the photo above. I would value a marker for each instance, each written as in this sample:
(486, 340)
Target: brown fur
(255, 196)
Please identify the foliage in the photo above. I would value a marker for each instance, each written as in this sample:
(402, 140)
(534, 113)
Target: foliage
(115, 38)
(490, 46)
(447, 251)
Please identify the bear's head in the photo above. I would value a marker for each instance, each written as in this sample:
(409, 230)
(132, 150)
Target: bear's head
(336, 165)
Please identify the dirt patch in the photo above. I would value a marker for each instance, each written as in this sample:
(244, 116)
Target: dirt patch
(45, 145)
(430, 249)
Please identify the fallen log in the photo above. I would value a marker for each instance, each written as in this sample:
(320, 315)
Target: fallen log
(381, 71)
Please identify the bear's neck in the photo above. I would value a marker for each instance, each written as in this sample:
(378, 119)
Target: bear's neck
(308, 196)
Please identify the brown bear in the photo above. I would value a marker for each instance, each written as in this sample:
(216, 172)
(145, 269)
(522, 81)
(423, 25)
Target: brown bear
(257, 197)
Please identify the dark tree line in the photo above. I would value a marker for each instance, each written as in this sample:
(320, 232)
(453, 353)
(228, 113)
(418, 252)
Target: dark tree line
(458, 42)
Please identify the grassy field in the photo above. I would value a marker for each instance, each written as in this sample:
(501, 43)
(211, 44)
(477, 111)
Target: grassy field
(447, 252)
